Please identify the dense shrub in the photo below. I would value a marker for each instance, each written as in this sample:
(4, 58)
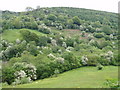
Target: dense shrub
(43, 41)
(112, 83)
(70, 42)
(23, 80)
(25, 70)
(99, 67)
(51, 17)
(19, 73)
(92, 60)
(12, 51)
(44, 29)
(71, 58)
(84, 60)
(107, 30)
(107, 37)
(55, 49)
(44, 71)
(102, 44)
(103, 61)
(56, 72)
(8, 75)
(98, 35)
(76, 20)
(39, 57)
(29, 36)
(31, 47)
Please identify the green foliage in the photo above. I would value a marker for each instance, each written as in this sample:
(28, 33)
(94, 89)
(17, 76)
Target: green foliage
(43, 41)
(17, 23)
(19, 73)
(56, 72)
(72, 60)
(7, 75)
(32, 18)
(92, 60)
(107, 30)
(31, 47)
(101, 43)
(23, 80)
(70, 42)
(112, 83)
(43, 71)
(13, 51)
(33, 24)
(51, 17)
(29, 36)
(98, 35)
(103, 61)
(76, 20)
(57, 50)
(44, 29)
(80, 78)
(99, 67)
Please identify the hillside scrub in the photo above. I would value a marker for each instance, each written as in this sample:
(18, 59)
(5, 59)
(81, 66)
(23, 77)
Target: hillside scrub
(49, 41)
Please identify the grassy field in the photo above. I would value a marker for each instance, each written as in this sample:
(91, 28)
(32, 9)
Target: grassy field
(85, 77)
(12, 35)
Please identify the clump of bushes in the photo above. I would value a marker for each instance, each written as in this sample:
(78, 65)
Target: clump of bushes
(98, 35)
(56, 72)
(44, 29)
(19, 73)
(112, 83)
(99, 67)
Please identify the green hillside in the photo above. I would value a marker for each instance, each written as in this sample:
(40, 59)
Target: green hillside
(85, 77)
(12, 35)
(44, 42)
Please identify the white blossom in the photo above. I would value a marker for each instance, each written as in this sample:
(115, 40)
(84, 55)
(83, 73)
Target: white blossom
(38, 47)
(113, 42)
(53, 41)
(40, 52)
(109, 55)
(61, 38)
(70, 48)
(111, 36)
(60, 59)
(84, 60)
(60, 51)
(64, 44)
(51, 55)
(20, 74)
(29, 70)
(18, 41)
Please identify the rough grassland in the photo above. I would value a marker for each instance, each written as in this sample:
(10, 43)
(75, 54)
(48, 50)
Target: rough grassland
(12, 35)
(84, 77)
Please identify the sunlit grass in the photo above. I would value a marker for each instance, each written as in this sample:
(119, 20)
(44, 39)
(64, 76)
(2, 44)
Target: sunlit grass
(85, 77)
(12, 35)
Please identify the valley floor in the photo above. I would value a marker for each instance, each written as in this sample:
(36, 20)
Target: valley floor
(85, 77)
